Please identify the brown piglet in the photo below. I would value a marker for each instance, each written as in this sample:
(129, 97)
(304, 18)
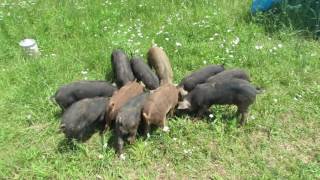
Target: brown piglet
(162, 101)
(159, 60)
(119, 98)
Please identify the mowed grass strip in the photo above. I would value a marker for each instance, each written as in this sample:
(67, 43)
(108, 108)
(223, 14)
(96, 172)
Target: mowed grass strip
(76, 39)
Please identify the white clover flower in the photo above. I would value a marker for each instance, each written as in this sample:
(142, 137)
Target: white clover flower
(210, 115)
(166, 129)
(216, 34)
(29, 116)
(253, 117)
(174, 139)
(140, 5)
(236, 41)
(167, 39)
(229, 30)
(84, 72)
(122, 157)
(231, 56)
(99, 177)
(105, 145)
(275, 100)
(204, 62)
(258, 47)
(280, 46)
(178, 44)
(100, 156)
(211, 39)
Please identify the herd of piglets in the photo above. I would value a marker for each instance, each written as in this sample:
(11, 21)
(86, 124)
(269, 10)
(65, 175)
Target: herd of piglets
(144, 95)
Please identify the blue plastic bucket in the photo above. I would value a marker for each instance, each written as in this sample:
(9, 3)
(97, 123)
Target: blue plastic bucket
(262, 5)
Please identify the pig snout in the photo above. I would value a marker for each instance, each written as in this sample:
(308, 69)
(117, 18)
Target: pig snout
(184, 105)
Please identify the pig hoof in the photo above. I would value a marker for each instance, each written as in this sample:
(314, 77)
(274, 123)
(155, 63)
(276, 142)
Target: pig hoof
(148, 135)
(122, 157)
(166, 129)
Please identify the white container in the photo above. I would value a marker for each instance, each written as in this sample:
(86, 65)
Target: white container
(30, 47)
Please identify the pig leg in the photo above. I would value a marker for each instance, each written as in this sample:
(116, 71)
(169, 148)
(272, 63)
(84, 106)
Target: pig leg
(146, 128)
(171, 112)
(163, 124)
(132, 138)
(120, 143)
(102, 140)
(243, 112)
(203, 111)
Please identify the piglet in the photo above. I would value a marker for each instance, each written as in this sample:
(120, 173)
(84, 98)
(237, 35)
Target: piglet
(70, 93)
(229, 74)
(83, 118)
(159, 60)
(143, 73)
(119, 98)
(128, 120)
(232, 91)
(200, 76)
(157, 106)
(121, 68)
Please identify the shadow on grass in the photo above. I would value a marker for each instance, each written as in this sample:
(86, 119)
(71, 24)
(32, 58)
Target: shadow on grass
(300, 16)
(67, 145)
(226, 117)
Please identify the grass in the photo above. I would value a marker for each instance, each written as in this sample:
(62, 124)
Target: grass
(281, 139)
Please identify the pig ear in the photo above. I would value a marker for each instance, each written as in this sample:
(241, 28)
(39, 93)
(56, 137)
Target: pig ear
(142, 84)
(213, 84)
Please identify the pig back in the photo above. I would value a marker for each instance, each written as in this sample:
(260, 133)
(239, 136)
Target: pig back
(162, 99)
(200, 76)
(121, 68)
(143, 73)
(228, 74)
(159, 60)
(121, 96)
